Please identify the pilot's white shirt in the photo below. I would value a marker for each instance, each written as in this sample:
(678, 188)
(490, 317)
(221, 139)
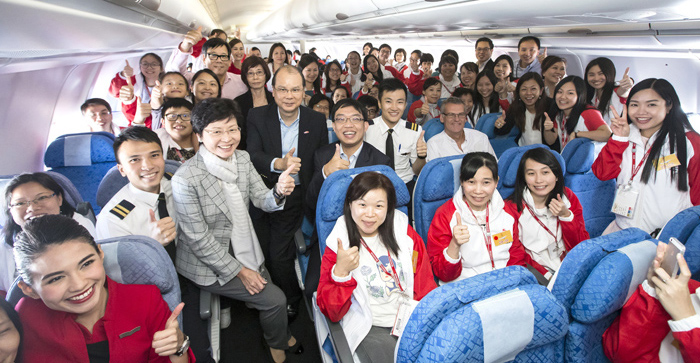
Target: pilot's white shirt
(405, 137)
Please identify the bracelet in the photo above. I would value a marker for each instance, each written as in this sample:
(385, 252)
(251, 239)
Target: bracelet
(277, 195)
(184, 347)
(422, 157)
(576, 135)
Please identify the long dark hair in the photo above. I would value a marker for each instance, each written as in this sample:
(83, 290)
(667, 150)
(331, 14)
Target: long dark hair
(517, 109)
(472, 162)
(674, 126)
(509, 60)
(14, 319)
(479, 107)
(608, 69)
(11, 229)
(327, 70)
(305, 60)
(378, 77)
(272, 50)
(580, 106)
(360, 186)
(542, 156)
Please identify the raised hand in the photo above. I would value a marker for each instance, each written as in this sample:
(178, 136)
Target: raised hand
(346, 260)
(143, 111)
(128, 72)
(191, 38)
(501, 120)
(422, 146)
(673, 293)
(625, 84)
(163, 230)
(343, 76)
(548, 124)
(157, 96)
(558, 207)
(285, 183)
(460, 232)
(542, 55)
(291, 160)
(167, 341)
(126, 93)
(425, 109)
(336, 163)
(618, 124)
(656, 263)
(252, 280)
(510, 87)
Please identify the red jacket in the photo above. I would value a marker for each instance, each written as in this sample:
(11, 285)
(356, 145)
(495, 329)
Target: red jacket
(334, 297)
(128, 109)
(572, 232)
(636, 335)
(133, 315)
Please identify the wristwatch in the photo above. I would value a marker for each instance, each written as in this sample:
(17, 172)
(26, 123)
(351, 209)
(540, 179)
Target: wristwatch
(184, 347)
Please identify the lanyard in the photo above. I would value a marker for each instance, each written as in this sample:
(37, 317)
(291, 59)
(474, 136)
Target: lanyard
(636, 168)
(542, 224)
(564, 135)
(486, 230)
(394, 275)
(448, 88)
(179, 155)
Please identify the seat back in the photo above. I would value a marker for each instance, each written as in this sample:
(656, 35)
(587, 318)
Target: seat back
(436, 184)
(596, 196)
(459, 321)
(332, 137)
(113, 182)
(332, 196)
(508, 164)
(500, 143)
(84, 159)
(432, 127)
(685, 226)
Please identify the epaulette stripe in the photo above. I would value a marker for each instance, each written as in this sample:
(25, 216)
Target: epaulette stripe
(168, 175)
(122, 209)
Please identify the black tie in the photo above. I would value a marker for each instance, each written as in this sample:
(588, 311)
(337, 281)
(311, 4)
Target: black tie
(390, 148)
(163, 213)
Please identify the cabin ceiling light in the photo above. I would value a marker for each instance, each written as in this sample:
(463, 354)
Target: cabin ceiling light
(341, 16)
(580, 31)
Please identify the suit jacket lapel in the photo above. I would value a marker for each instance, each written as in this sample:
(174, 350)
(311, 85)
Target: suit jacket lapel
(304, 133)
(363, 159)
(273, 130)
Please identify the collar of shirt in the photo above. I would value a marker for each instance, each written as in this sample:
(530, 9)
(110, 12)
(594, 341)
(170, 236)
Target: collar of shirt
(144, 196)
(383, 127)
(279, 117)
(352, 158)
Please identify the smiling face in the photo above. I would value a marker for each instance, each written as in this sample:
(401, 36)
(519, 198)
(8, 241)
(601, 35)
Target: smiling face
(205, 87)
(479, 189)
(69, 277)
(353, 60)
(596, 77)
(350, 133)
(467, 77)
(484, 87)
(502, 69)
(33, 191)
(339, 94)
(372, 65)
(323, 107)
(219, 66)
(310, 73)
(9, 339)
(448, 70)
(527, 51)
(392, 105)
(647, 110)
(150, 66)
(256, 77)
(432, 93)
(222, 137)
(279, 55)
(369, 212)
(555, 73)
(142, 163)
(483, 52)
(334, 71)
(539, 178)
(174, 86)
(453, 117)
(288, 90)
(398, 57)
(566, 97)
(530, 92)
(98, 117)
(237, 52)
(384, 55)
(468, 102)
(179, 129)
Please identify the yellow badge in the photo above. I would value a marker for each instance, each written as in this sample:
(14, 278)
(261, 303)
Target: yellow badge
(415, 261)
(502, 238)
(667, 162)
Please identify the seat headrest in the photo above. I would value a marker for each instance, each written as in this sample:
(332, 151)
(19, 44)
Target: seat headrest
(510, 160)
(681, 225)
(579, 155)
(443, 176)
(79, 150)
(432, 127)
(486, 123)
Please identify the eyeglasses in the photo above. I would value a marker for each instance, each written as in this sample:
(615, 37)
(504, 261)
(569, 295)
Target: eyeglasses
(452, 116)
(343, 120)
(38, 201)
(219, 133)
(102, 114)
(185, 117)
(319, 106)
(284, 91)
(150, 65)
(256, 74)
(223, 57)
(480, 50)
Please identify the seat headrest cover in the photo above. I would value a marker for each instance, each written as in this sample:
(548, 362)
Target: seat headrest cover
(579, 155)
(509, 314)
(486, 123)
(79, 150)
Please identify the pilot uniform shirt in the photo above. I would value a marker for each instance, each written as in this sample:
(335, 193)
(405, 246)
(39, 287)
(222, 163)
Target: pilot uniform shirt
(127, 213)
(405, 138)
(442, 145)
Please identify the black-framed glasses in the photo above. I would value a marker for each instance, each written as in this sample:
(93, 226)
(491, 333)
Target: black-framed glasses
(223, 57)
(185, 117)
(343, 120)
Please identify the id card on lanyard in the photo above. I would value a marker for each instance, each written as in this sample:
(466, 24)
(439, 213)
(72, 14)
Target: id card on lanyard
(486, 230)
(626, 197)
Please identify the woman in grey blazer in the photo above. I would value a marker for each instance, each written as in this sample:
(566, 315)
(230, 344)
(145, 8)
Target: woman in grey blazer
(217, 247)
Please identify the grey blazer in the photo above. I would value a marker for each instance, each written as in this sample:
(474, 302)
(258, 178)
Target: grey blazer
(205, 221)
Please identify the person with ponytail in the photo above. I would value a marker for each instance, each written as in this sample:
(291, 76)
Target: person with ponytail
(652, 156)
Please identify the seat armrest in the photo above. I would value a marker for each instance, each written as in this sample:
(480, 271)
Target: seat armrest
(204, 304)
(339, 341)
(85, 209)
(300, 242)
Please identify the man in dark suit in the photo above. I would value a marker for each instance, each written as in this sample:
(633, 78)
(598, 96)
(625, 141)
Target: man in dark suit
(281, 135)
(484, 49)
(349, 124)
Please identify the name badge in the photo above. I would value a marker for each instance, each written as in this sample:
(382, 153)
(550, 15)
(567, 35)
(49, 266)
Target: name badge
(502, 238)
(406, 307)
(554, 251)
(625, 201)
(667, 162)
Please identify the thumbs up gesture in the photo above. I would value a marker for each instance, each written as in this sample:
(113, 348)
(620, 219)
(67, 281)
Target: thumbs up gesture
(542, 55)
(422, 146)
(336, 163)
(163, 230)
(558, 207)
(167, 341)
(191, 38)
(290, 160)
(343, 76)
(625, 84)
(143, 111)
(128, 72)
(346, 260)
(126, 93)
(285, 183)
(157, 96)
(424, 109)
(460, 232)
(548, 124)
(501, 120)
